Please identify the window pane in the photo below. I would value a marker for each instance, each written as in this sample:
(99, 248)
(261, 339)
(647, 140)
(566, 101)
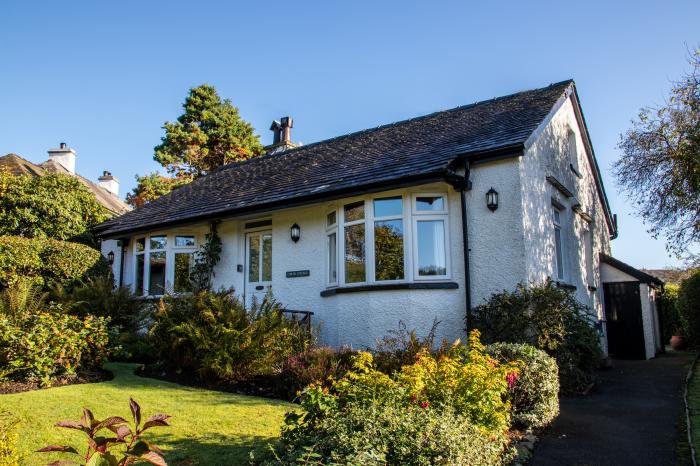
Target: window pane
(140, 262)
(140, 244)
(332, 258)
(331, 219)
(184, 241)
(159, 242)
(355, 253)
(557, 216)
(431, 248)
(560, 257)
(388, 250)
(183, 267)
(355, 211)
(253, 259)
(267, 258)
(156, 276)
(430, 203)
(388, 207)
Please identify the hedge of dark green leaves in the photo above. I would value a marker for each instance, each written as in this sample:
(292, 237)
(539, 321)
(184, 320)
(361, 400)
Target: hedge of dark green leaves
(48, 261)
(689, 307)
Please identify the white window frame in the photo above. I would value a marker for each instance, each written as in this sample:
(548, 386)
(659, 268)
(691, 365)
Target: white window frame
(409, 216)
(170, 251)
(330, 230)
(557, 225)
(428, 215)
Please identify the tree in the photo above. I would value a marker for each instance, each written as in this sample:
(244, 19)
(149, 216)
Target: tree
(660, 163)
(51, 206)
(209, 134)
(152, 186)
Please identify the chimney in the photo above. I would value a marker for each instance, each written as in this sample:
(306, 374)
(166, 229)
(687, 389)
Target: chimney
(282, 135)
(65, 156)
(109, 182)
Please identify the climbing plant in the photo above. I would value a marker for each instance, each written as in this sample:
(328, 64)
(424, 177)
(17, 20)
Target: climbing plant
(206, 259)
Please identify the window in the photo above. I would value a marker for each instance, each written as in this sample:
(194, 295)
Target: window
(354, 234)
(161, 260)
(332, 245)
(558, 247)
(388, 239)
(573, 152)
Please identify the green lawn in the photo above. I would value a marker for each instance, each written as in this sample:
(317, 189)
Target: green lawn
(694, 405)
(207, 427)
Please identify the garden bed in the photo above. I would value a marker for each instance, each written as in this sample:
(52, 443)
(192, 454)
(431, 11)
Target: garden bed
(82, 377)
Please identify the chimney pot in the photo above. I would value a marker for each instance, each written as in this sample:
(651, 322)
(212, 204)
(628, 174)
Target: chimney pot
(63, 145)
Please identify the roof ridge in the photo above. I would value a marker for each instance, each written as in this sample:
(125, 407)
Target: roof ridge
(388, 125)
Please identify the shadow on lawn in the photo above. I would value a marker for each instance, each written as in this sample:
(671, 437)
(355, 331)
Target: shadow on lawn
(211, 450)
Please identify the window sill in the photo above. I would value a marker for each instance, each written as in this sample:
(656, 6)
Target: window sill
(566, 286)
(390, 286)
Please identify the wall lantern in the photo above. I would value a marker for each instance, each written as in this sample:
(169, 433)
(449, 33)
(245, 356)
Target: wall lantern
(295, 232)
(492, 199)
(110, 257)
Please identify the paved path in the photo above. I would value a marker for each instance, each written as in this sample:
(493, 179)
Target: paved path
(631, 417)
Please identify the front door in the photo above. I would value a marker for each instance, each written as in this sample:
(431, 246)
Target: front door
(623, 315)
(258, 266)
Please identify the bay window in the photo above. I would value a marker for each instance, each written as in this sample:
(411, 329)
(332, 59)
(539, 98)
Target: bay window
(163, 263)
(386, 239)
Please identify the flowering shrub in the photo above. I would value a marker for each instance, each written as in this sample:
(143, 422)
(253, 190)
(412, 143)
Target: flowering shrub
(47, 344)
(534, 393)
(443, 409)
(8, 441)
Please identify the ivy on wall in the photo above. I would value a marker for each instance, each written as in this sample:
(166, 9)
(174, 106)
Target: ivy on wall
(206, 259)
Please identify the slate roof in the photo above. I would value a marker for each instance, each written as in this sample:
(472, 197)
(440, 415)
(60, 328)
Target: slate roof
(402, 152)
(18, 166)
(628, 269)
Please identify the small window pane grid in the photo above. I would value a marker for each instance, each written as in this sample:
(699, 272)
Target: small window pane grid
(375, 247)
(558, 247)
(259, 257)
(161, 260)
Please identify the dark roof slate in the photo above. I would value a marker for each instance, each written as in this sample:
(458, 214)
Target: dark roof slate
(408, 149)
(628, 269)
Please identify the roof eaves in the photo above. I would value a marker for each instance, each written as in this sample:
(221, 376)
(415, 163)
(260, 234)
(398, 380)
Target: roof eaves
(628, 269)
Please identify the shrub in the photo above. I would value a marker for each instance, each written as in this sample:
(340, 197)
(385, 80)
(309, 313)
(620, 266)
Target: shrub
(47, 344)
(319, 364)
(8, 441)
(213, 335)
(689, 307)
(401, 347)
(548, 318)
(669, 311)
(380, 434)
(100, 451)
(48, 261)
(445, 409)
(534, 396)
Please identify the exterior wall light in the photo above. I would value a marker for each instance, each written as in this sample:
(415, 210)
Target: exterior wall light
(295, 232)
(110, 257)
(492, 199)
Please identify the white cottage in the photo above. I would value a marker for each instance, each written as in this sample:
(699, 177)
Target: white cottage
(371, 228)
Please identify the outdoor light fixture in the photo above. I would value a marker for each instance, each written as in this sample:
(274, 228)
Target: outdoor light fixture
(110, 257)
(492, 199)
(295, 232)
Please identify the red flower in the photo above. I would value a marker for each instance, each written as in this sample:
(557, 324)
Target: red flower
(511, 378)
(424, 405)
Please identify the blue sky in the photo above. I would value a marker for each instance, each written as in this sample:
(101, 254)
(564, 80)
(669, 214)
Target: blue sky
(104, 76)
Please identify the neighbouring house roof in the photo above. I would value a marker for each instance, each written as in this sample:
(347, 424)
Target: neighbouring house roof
(18, 166)
(397, 154)
(629, 270)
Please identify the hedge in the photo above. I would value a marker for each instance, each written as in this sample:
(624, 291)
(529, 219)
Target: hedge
(48, 261)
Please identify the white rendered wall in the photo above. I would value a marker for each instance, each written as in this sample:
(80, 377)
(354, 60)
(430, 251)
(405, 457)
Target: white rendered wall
(548, 155)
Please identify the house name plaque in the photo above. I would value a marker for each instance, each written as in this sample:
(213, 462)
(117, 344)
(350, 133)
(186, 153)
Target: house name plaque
(298, 273)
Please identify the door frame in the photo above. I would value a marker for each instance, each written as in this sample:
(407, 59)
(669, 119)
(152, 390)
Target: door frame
(246, 262)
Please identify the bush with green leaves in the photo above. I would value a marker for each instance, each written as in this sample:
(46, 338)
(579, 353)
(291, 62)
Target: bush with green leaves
(689, 308)
(213, 335)
(667, 303)
(125, 441)
(548, 318)
(401, 346)
(9, 456)
(534, 396)
(47, 262)
(318, 364)
(445, 409)
(39, 346)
